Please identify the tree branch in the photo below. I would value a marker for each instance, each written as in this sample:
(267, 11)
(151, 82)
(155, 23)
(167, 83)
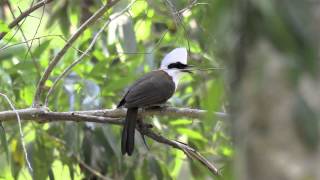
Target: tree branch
(189, 151)
(72, 39)
(26, 13)
(111, 116)
(114, 116)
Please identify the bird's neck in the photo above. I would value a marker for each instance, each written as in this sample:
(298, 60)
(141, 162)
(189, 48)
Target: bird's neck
(174, 74)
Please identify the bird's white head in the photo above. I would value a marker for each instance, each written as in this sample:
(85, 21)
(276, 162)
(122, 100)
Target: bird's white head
(175, 63)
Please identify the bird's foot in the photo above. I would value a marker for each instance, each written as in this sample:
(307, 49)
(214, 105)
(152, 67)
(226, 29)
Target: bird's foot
(157, 106)
(143, 127)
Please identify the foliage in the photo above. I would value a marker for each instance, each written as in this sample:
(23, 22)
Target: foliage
(132, 44)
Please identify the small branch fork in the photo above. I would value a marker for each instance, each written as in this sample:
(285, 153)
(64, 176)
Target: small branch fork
(115, 116)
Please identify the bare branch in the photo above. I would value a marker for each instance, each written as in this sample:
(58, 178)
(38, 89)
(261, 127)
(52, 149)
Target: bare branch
(111, 116)
(68, 69)
(189, 151)
(72, 39)
(20, 130)
(25, 14)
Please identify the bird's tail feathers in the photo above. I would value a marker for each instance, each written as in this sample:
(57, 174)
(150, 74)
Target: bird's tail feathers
(127, 141)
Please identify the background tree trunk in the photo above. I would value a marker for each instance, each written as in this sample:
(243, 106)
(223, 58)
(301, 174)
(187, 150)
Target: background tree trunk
(275, 97)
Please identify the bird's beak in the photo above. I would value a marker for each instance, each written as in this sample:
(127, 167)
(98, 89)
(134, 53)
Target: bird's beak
(188, 69)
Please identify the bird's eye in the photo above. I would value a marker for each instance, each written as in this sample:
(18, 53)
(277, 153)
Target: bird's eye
(177, 65)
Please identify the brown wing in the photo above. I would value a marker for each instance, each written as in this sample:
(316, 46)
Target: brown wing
(155, 87)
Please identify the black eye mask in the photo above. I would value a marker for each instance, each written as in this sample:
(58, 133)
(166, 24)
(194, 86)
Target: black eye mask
(177, 65)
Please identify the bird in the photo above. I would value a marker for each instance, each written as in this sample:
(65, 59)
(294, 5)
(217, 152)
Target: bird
(152, 89)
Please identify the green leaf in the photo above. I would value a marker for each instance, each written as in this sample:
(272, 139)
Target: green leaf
(11, 51)
(43, 46)
(155, 168)
(138, 8)
(42, 156)
(107, 131)
(4, 144)
(192, 134)
(179, 122)
(4, 27)
(64, 20)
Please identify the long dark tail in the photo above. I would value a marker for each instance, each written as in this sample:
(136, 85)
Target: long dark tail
(127, 141)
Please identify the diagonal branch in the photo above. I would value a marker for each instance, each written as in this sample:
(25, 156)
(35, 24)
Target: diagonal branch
(189, 151)
(72, 39)
(25, 14)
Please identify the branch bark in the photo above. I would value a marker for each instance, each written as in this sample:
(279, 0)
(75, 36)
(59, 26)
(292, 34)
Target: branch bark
(111, 116)
(72, 39)
(23, 15)
(189, 151)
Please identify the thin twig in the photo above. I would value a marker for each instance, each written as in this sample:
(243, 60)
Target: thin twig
(72, 39)
(77, 61)
(14, 34)
(189, 6)
(178, 19)
(38, 38)
(20, 131)
(26, 41)
(24, 14)
(25, 38)
(160, 40)
(37, 29)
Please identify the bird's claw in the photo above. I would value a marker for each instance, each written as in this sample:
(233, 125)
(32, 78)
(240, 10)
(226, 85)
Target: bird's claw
(143, 127)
